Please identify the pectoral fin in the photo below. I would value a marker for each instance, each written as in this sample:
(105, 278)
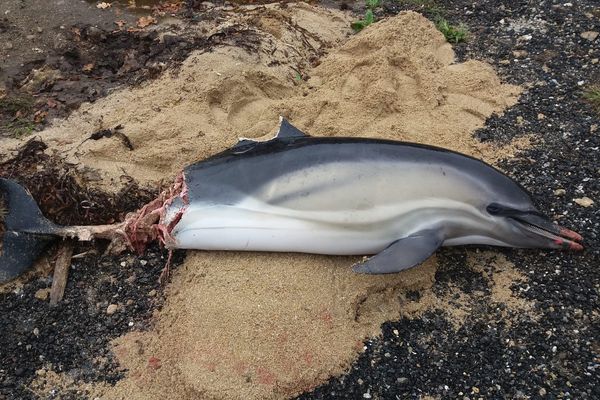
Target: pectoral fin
(403, 254)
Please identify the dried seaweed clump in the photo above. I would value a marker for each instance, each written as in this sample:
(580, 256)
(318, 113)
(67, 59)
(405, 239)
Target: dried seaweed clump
(61, 192)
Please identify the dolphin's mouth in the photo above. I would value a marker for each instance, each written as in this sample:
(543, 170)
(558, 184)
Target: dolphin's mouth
(559, 237)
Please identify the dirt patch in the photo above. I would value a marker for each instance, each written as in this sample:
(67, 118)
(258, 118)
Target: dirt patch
(29, 30)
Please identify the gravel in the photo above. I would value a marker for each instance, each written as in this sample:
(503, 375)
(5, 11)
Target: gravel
(73, 336)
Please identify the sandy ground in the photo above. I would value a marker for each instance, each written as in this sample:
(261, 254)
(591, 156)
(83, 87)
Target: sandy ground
(244, 325)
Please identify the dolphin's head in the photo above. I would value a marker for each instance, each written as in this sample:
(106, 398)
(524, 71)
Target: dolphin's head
(525, 226)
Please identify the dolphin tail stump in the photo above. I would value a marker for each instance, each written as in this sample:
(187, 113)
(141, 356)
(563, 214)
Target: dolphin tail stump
(27, 233)
(324, 195)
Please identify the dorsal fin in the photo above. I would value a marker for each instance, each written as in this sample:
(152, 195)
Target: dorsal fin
(287, 130)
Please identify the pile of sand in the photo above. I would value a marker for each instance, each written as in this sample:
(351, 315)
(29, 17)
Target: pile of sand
(248, 325)
(395, 79)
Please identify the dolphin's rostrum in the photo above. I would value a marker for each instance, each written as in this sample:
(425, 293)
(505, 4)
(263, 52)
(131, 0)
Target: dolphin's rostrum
(345, 196)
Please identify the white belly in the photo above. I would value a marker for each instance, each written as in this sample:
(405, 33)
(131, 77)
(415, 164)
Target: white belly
(254, 226)
(231, 228)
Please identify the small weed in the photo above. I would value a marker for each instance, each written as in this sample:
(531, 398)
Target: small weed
(15, 116)
(432, 10)
(592, 95)
(13, 104)
(18, 128)
(369, 16)
(453, 33)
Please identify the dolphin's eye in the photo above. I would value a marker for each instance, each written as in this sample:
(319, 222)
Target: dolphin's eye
(494, 208)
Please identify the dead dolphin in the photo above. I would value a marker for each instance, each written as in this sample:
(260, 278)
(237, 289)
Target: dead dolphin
(328, 195)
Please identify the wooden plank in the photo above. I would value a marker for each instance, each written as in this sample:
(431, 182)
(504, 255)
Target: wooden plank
(61, 271)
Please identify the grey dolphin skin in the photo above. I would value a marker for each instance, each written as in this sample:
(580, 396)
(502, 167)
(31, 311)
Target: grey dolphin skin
(338, 196)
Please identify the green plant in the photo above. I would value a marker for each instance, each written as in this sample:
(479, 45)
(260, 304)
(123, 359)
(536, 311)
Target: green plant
(12, 104)
(453, 33)
(369, 16)
(17, 128)
(592, 95)
(372, 4)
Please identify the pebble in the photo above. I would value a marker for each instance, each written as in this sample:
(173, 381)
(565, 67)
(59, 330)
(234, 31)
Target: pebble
(42, 294)
(560, 192)
(589, 35)
(111, 309)
(30, 37)
(542, 392)
(39, 29)
(94, 33)
(520, 53)
(367, 395)
(584, 201)
(152, 293)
